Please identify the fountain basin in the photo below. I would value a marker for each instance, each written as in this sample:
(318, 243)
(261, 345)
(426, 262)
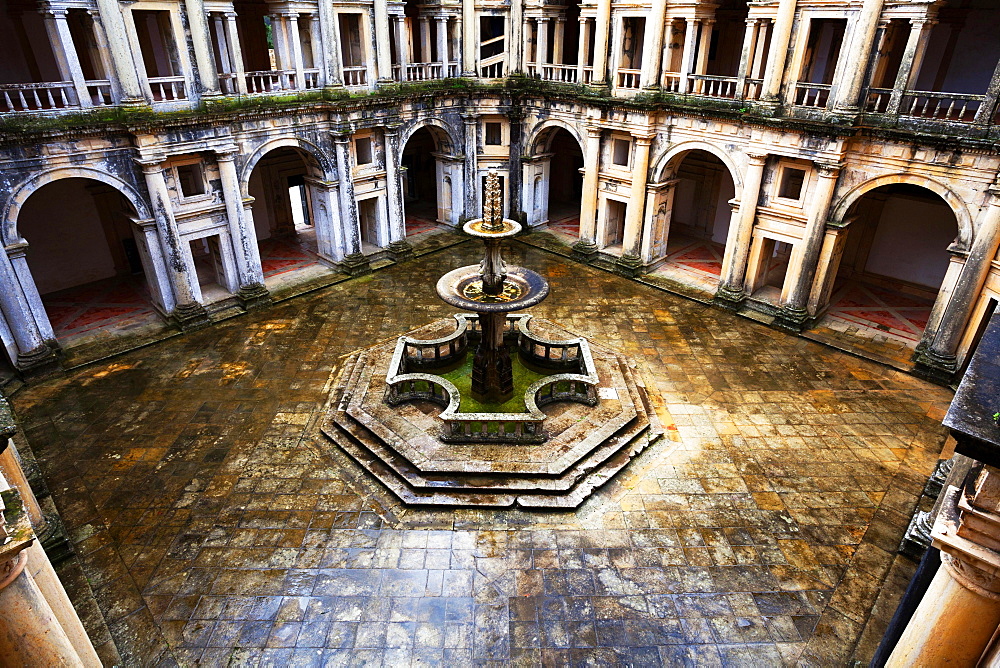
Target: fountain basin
(462, 288)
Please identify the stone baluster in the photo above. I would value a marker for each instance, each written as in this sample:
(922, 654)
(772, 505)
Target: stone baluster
(586, 247)
(774, 71)
(402, 46)
(208, 77)
(909, 67)
(603, 29)
(472, 185)
(354, 261)
(653, 45)
(64, 51)
(468, 33)
(252, 293)
(802, 266)
(126, 67)
(939, 359)
(855, 65)
(188, 311)
(399, 247)
(383, 56)
(734, 262)
(630, 262)
(687, 60)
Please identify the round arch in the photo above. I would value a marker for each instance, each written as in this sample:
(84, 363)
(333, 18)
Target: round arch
(22, 192)
(545, 126)
(955, 203)
(666, 160)
(311, 150)
(436, 127)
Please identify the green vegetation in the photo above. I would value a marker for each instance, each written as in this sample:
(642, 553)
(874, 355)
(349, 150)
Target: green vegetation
(462, 379)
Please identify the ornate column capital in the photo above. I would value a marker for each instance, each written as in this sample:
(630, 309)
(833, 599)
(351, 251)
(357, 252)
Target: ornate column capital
(152, 164)
(828, 170)
(757, 157)
(226, 153)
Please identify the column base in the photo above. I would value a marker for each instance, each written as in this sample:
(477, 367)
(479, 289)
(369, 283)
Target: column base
(934, 367)
(791, 319)
(728, 298)
(628, 266)
(38, 363)
(355, 264)
(190, 317)
(254, 297)
(400, 251)
(383, 81)
(52, 536)
(584, 251)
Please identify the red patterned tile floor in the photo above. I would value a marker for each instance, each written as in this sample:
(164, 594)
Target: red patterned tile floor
(280, 255)
(883, 312)
(114, 303)
(566, 223)
(420, 217)
(693, 262)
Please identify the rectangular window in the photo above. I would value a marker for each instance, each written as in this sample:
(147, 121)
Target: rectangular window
(620, 151)
(791, 183)
(363, 149)
(191, 179)
(494, 134)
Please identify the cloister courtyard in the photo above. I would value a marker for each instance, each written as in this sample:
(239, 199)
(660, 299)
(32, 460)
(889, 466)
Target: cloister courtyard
(214, 523)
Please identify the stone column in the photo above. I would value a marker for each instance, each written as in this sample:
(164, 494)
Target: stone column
(67, 60)
(442, 44)
(252, 293)
(909, 67)
(630, 262)
(104, 53)
(957, 617)
(472, 184)
(402, 46)
(705, 39)
(653, 46)
(734, 262)
(774, 71)
(295, 46)
(542, 45)
(188, 313)
(236, 53)
(746, 57)
(125, 64)
(516, 55)
(218, 20)
(687, 60)
(939, 360)
(282, 57)
(802, 267)
(862, 40)
(559, 40)
(399, 247)
(529, 32)
(354, 262)
(469, 42)
(333, 76)
(581, 51)
(603, 28)
(425, 39)
(456, 46)
(17, 252)
(33, 355)
(202, 44)
(383, 56)
(515, 175)
(586, 248)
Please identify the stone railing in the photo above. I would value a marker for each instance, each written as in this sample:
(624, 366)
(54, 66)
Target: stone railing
(752, 89)
(629, 78)
(402, 384)
(424, 71)
(811, 94)
(671, 82)
(493, 67)
(712, 86)
(311, 77)
(167, 89)
(926, 105)
(268, 81)
(560, 73)
(38, 96)
(356, 76)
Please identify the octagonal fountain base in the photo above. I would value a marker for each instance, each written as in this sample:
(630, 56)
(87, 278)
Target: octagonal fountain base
(424, 449)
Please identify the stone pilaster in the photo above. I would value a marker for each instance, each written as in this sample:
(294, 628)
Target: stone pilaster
(734, 263)
(399, 247)
(126, 61)
(653, 39)
(472, 185)
(774, 70)
(863, 39)
(586, 248)
(383, 59)
(197, 21)
(354, 262)
(687, 59)
(252, 293)
(469, 45)
(630, 262)
(602, 31)
(34, 356)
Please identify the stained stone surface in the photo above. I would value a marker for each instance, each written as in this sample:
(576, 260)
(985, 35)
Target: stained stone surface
(216, 526)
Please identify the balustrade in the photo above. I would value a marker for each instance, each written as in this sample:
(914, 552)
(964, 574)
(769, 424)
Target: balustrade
(752, 89)
(560, 73)
(166, 89)
(38, 96)
(811, 95)
(671, 82)
(311, 78)
(712, 86)
(940, 106)
(629, 78)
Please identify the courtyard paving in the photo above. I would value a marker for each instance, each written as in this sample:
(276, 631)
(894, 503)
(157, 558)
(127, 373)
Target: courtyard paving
(216, 525)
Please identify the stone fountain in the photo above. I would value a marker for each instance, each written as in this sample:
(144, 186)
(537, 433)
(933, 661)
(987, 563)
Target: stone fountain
(491, 408)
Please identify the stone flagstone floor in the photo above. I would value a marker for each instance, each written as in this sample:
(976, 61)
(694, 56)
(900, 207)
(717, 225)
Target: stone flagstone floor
(217, 526)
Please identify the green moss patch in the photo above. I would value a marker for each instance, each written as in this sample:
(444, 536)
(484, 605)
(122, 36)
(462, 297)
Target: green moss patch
(462, 379)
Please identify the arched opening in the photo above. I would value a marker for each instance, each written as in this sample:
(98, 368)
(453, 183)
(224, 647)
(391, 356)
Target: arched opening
(427, 186)
(88, 259)
(556, 183)
(892, 262)
(284, 217)
(691, 215)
